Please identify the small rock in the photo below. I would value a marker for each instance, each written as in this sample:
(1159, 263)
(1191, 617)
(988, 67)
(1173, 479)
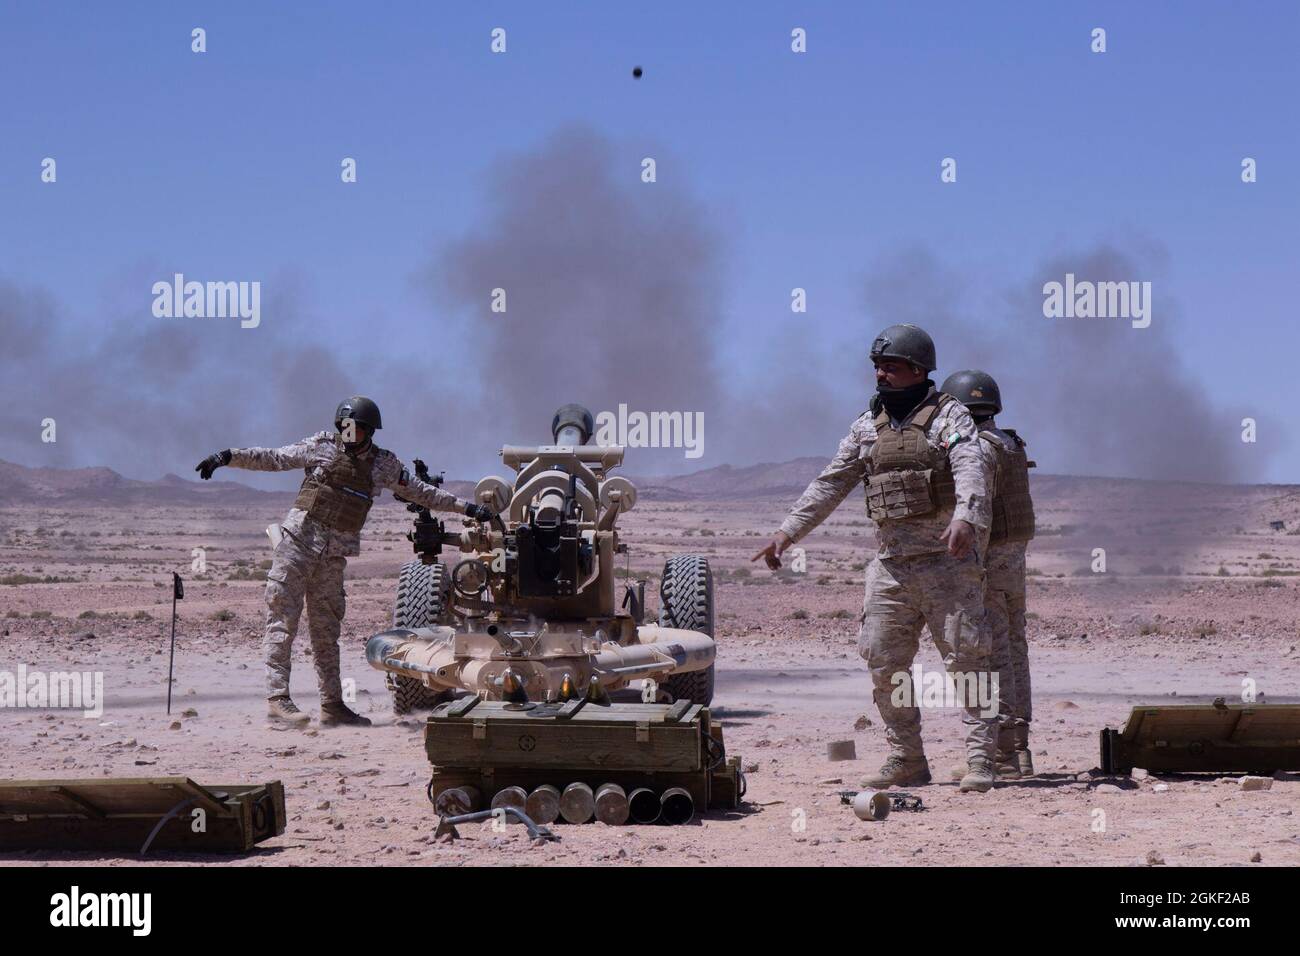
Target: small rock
(189, 712)
(1108, 788)
(862, 723)
(1155, 858)
(1256, 858)
(1066, 705)
(751, 767)
(1160, 787)
(830, 780)
(175, 725)
(1256, 783)
(323, 805)
(1139, 774)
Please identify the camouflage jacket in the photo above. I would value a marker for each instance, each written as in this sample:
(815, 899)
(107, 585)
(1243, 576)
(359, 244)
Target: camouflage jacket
(910, 536)
(314, 453)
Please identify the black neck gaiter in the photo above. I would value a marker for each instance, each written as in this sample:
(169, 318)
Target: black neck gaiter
(899, 402)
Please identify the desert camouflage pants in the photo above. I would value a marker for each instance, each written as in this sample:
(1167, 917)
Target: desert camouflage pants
(1004, 604)
(298, 575)
(903, 595)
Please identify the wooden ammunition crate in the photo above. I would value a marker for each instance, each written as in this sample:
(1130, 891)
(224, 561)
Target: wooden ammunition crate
(1205, 738)
(121, 813)
(493, 745)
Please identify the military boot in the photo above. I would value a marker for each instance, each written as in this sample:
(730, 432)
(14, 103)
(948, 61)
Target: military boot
(285, 711)
(1023, 757)
(1006, 766)
(979, 776)
(900, 771)
(336, 714)
(1025, 760)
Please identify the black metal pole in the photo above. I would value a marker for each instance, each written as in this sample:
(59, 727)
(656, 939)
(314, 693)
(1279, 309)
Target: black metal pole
(171, 660)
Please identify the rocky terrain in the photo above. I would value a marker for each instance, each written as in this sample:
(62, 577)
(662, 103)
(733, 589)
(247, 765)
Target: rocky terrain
(1198, 593)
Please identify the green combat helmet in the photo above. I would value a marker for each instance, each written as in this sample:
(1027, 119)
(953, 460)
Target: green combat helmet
(911, 343)
(361, 410)
(974, 389)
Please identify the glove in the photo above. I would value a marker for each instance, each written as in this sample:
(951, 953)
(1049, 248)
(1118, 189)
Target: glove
(208, 465)
(479, 512)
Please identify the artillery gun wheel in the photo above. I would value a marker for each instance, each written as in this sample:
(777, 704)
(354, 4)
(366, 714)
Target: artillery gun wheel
(422, 591)
(686, 601)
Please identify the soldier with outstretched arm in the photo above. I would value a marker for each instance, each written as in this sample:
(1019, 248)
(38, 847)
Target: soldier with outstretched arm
(345, 473)
(915, 451)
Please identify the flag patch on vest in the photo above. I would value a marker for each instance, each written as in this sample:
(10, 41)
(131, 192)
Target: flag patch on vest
(950, 440)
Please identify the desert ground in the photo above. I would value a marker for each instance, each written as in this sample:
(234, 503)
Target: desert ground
(1194, 600)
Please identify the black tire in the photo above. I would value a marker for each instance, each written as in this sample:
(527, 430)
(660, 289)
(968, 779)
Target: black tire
(686, 601)
(422, 591)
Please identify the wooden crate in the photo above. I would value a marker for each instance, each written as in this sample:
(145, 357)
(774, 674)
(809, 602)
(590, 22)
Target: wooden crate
(121, 813)
(1205, 738)
(492, 745)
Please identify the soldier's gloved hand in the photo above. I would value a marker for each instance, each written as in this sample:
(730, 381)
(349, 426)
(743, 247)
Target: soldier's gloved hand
(772, 553)
(479, 512)
(208, 465)
(959, 536)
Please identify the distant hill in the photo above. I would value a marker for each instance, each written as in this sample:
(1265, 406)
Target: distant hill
(1059, 499)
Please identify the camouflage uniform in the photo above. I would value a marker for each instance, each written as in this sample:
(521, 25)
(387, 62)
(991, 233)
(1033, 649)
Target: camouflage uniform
(913, 581)
(309, 561)
(1004, 602)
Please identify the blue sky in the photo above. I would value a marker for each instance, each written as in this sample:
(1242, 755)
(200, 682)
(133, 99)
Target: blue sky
(809, 167)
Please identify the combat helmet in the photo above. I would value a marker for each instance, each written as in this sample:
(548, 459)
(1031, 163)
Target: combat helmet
(974, 389)
(361, 410)
(911, 343)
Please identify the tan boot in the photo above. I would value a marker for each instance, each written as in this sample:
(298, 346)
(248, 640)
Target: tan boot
(1025, 760)
(900, 771)
(979, 776)
(284, 710)
(336, 714)
(1023, 756)
(1006, 766)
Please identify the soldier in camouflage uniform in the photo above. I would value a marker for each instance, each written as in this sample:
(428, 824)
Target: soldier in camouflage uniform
(345, 472)
(915, 450)
(1011, 526)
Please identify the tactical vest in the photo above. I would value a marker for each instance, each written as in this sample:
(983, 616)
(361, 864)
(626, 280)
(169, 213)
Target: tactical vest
(1012, 516)
(340, 497)
(908, 477)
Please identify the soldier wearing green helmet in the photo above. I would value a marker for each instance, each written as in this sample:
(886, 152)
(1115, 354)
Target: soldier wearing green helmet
(914, 451)
(345, 471)
(1011, 527)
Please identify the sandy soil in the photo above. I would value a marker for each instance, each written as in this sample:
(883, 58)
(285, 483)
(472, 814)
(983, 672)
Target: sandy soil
(789, 681)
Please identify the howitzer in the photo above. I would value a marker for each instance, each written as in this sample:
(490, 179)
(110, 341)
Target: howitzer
(518, 647)
(531, 614)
